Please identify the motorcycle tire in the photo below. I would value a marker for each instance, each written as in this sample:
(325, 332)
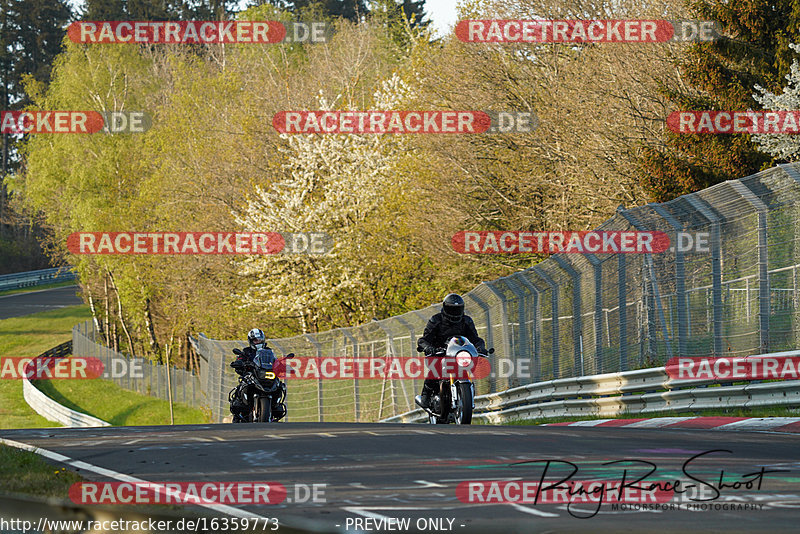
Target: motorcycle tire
(463, 414)
(263, 410)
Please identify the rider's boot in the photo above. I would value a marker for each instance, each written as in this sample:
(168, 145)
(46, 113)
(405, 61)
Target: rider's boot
(424, 400)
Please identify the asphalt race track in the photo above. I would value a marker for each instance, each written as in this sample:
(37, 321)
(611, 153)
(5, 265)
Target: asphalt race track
(381, 471)
(19, 304)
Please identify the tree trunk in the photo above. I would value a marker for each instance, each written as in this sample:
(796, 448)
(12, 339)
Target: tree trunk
(119, 307)
(105, 325)
(115, 336)
(148, 322)
(97, 325)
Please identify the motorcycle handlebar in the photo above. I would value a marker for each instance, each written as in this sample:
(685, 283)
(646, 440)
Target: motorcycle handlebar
(442, 352)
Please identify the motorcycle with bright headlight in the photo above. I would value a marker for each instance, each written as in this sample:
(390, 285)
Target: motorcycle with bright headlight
(453, 400)
(260, 395)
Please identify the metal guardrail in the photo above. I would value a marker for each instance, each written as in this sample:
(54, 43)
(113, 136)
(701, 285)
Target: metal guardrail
(35, 278)
(50, 409)
(574, 315)
(613, 394)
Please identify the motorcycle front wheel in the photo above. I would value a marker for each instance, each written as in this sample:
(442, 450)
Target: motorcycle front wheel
(464, 404)
(263, 412)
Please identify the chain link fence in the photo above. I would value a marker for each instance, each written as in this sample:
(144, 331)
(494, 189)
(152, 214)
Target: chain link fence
(138, 374)
(584, 314)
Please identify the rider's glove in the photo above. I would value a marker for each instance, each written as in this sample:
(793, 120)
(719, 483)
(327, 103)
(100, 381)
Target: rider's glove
(430, 351)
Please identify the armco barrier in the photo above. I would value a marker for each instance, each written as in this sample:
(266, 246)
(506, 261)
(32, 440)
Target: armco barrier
(730, 286)
(50, 409)
(35, 278)
(632, 392)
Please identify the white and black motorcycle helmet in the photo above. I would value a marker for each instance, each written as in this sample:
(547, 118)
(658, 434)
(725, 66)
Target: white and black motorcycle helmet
(257, 338)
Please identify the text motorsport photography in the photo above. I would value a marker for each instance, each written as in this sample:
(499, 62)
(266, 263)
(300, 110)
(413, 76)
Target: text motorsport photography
(631, 484)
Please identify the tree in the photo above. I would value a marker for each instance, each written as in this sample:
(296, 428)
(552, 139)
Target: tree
(31, 32)
(351, 10)
(783, 147)
(158, 9)
(338, 184)
(105, 10)
(31, 38)
(720, 75)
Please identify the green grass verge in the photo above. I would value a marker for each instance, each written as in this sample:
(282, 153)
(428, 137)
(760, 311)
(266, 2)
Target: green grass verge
(777, 411)
(37, 288)
(30, 336)
(26, 472)
(120, 407)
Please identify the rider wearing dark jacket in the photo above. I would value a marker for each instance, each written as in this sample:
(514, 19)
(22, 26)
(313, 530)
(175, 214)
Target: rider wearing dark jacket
(451, 321)
(258, 340)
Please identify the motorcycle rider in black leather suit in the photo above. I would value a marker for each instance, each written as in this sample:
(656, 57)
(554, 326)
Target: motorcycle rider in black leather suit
(451, 321)
(258, 340)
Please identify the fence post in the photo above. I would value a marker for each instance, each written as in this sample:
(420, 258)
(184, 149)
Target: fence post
(349, 335)
(554, 311)
(622, 303)
(318, 350)
(649, 291)
(506, 341)
(577, 319)
(680, 282)
(489, 339)
(536, 356)
(597, 269)
(763, 274)
(412, 344)
(716, 268)
(524, 346)
(391, 348)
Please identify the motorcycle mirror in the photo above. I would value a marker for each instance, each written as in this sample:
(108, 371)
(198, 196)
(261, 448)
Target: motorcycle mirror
(290, 355)
(419, 349)
(491, 351)
(238, 352)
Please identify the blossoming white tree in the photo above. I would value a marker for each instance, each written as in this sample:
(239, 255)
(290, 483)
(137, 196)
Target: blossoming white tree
(337, 184)
(782, 146)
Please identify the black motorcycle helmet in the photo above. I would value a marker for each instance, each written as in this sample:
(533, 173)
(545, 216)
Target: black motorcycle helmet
(453, 308)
